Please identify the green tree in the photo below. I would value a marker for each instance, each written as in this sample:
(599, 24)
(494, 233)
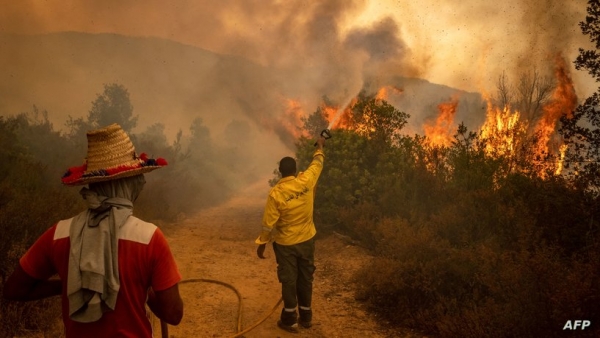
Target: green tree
(377, 119)
(315, 123)
(153, 141)
(30, 200)
(46, 145)
(472, 168)
(113, 106)
(200, 142)
(582, 130)
(359, 160)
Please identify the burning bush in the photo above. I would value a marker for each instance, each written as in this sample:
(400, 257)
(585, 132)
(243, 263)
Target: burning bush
(465, 242)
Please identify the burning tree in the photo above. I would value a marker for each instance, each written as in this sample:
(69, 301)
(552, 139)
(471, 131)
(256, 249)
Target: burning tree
(362, 153)
(528, 96)
(521, 122)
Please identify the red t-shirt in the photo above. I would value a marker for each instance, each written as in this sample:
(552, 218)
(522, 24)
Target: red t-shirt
(145, 260)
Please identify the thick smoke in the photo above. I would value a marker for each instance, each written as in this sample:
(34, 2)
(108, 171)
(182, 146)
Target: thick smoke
(309, 45)
(314, 51)
(470, 43)
(308, 49)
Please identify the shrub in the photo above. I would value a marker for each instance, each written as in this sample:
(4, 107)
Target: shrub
(419, 280)
(30, 202)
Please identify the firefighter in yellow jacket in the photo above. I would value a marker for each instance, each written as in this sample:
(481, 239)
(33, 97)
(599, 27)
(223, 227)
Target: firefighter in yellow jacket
(288, 223)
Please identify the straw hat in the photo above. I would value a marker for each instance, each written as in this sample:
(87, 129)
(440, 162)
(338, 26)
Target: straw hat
(110, 155)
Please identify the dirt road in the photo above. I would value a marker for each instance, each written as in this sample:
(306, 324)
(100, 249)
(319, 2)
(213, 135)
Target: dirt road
(218, 244)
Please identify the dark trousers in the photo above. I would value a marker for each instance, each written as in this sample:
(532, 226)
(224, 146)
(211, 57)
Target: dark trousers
(295, 269)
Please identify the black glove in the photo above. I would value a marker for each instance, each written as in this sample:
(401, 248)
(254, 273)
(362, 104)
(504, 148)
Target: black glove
(260, 251)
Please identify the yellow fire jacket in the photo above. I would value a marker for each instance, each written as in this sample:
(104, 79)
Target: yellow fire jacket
(288, 217)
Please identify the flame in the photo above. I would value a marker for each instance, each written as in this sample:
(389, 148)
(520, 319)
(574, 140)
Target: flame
(505, 128)
(289, 125)
(501, 129)
(563, 102)
(339, 117)
(291, 120)
(561, 159)
(439, 132)
(384, 92)
(507, 131)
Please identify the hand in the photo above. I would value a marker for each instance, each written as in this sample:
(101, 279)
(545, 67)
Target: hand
(320, 142)
(260, 251)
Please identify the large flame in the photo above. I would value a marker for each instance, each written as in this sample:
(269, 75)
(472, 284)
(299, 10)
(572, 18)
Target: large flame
(501, 130)
(507, 132)
(562, 103)
(339, 117)
(440, 131)
(289, 125)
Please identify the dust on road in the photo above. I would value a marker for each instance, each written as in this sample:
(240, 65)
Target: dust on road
(218, 244)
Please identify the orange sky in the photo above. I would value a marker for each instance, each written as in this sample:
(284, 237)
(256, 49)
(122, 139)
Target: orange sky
(463, 44)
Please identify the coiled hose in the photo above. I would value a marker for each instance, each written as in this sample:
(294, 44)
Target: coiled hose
(164, 327)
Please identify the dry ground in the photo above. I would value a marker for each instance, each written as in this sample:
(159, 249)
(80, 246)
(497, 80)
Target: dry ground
(218, 244)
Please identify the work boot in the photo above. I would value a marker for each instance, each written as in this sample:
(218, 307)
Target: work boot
(288, 321)
(305, 317)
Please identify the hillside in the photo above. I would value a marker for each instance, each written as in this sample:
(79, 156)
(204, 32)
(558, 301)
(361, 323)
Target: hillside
(172, 83)
(167, 81)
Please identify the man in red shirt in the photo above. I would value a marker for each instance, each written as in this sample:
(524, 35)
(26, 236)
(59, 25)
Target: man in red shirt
(110, 264)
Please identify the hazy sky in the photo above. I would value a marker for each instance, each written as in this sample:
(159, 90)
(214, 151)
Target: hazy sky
(309, 50)
(327, 48)
(463, 44)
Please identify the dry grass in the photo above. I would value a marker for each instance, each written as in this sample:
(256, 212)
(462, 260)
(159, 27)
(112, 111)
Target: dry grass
(421, 281)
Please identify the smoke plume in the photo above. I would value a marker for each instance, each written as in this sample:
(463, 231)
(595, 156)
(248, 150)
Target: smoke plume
(307, 49)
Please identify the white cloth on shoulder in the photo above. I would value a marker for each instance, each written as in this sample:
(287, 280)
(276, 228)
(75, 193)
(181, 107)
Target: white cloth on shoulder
(93, 272)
